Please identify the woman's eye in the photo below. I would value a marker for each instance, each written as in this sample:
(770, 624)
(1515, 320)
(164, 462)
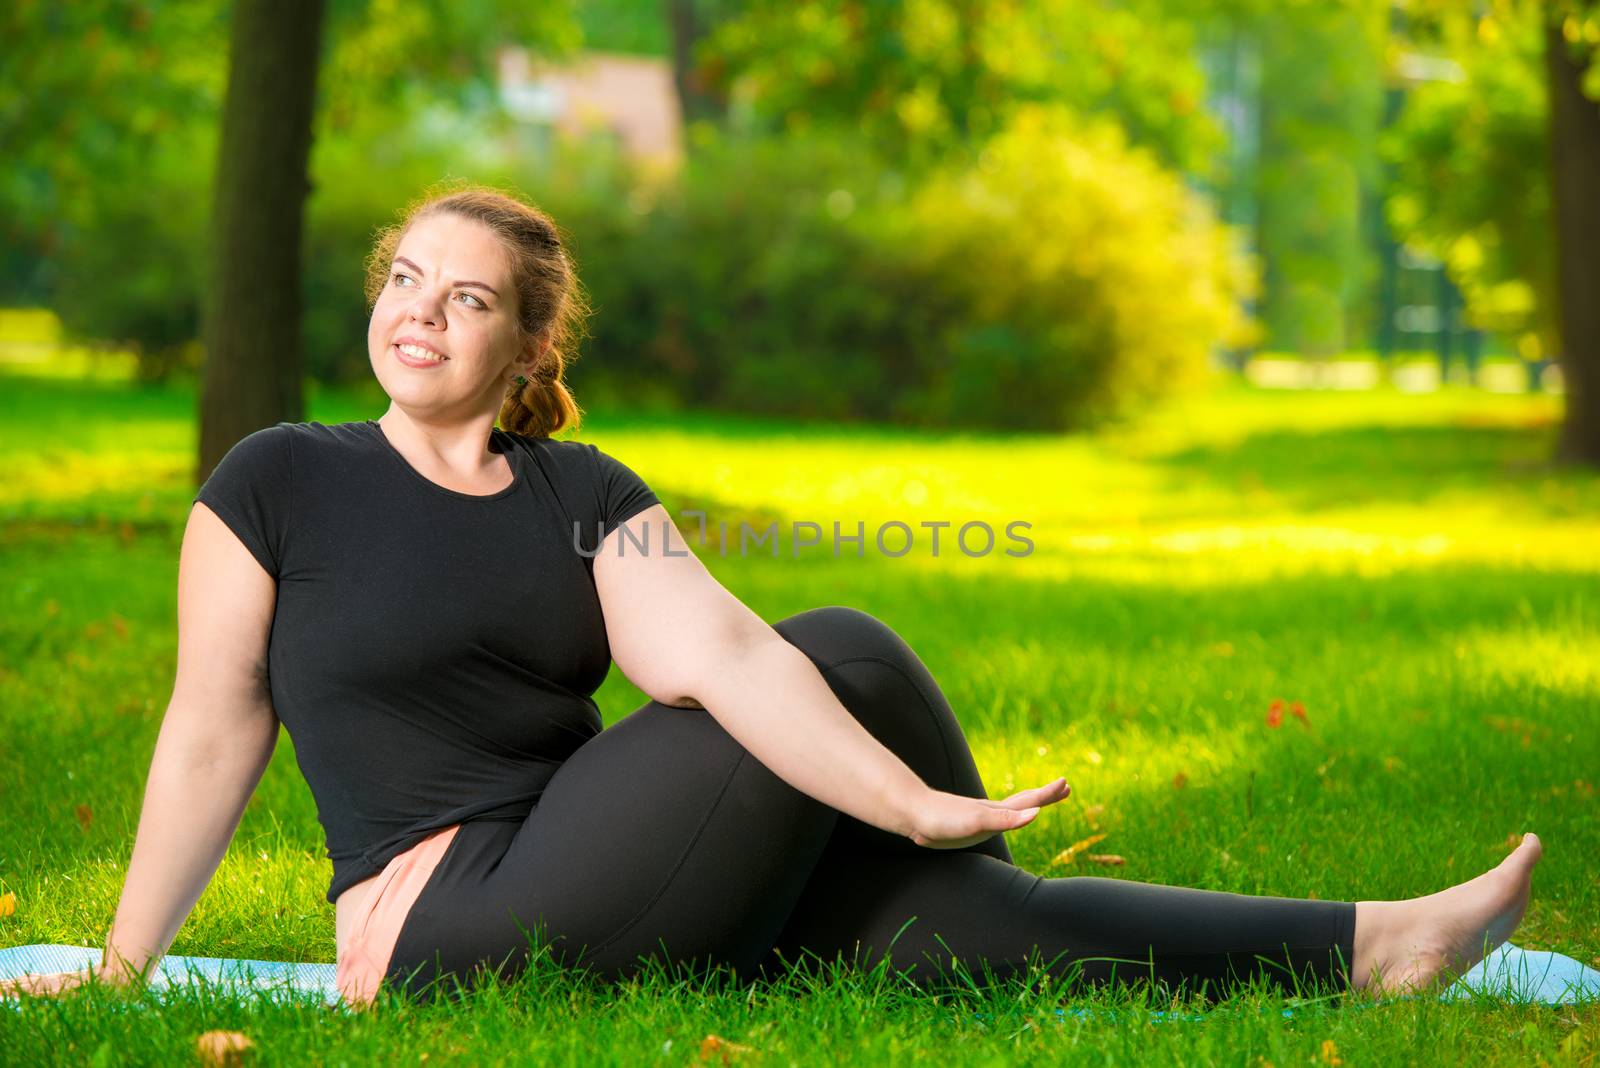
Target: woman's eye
(398, 276)
(476, 303)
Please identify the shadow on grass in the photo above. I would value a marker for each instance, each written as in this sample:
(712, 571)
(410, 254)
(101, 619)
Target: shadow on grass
(1363, 465)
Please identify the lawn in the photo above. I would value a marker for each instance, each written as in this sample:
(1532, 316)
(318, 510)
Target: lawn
(1407, 567)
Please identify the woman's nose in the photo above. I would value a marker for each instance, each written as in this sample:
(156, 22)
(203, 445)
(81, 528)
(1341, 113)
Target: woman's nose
(427, 308)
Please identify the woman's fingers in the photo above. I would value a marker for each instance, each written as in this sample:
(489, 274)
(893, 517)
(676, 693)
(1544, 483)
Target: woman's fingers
(53, 983)
(1047, 794)
(953, 821)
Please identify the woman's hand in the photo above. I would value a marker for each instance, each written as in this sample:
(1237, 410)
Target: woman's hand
(41, 985)
(116, 974)
(950, 821)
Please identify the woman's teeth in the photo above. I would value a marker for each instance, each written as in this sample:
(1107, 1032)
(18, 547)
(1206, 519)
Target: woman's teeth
(421, 353)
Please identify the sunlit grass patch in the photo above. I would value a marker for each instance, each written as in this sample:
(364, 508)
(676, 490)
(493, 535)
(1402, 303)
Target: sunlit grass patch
(1405, 569)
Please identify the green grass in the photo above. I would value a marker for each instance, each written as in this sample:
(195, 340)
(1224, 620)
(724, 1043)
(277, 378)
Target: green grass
(1406, 566)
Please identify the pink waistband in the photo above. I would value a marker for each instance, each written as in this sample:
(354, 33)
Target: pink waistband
(364, 960)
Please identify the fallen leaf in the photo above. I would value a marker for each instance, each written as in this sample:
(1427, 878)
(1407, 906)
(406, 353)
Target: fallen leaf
(1110, 860)
(717, 1046)
(1069, 854)
(1179, 781)
(223, 1048)
(8, 904)
(85, 815)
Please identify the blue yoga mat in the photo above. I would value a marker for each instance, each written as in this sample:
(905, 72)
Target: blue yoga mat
(1510, 973)
(280, 980)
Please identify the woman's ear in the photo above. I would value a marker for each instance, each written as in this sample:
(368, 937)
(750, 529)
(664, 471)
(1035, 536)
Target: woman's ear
(531, 357)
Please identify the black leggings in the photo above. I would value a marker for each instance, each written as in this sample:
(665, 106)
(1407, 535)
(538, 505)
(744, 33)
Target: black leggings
(662, 837)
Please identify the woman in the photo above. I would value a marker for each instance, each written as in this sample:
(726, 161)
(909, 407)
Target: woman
(427, 601)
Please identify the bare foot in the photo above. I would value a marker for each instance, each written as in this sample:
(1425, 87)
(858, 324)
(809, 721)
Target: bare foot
(1407, 946)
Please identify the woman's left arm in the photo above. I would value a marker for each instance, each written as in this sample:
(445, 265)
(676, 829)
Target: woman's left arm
(683, 639)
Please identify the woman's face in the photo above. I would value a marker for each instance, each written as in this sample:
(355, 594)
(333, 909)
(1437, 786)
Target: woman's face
(444, 332)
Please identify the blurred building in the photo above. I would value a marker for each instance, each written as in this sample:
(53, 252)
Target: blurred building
(632, 98)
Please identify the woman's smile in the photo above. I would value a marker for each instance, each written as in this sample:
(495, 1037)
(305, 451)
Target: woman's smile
(415, 354)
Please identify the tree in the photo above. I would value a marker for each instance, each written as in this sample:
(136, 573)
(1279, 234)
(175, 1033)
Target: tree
(1496, 174)
(698, 97)
(1573, 62)
(252, 318)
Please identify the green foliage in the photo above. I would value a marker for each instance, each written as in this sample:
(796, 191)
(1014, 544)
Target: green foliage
(742, 284)
(637, 26)
(1472, 158)
(1085, 278)
(1472, 177)
(133, 273)
(108, 129)
(1320, 108)
(1048, 281)
(97, 96)
(378, 51)
(1054, 279)
(927, 76)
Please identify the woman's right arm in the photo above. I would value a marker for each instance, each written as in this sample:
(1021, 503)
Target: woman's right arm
(215, 740)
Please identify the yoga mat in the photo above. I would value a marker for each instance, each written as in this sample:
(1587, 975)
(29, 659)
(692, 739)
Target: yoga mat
(280, 980)
(1510, 973)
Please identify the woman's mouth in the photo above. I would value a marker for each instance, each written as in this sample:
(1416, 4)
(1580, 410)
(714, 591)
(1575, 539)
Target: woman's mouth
(417, 356)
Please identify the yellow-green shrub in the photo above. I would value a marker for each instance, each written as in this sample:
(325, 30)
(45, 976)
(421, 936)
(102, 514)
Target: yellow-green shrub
(1080, 277)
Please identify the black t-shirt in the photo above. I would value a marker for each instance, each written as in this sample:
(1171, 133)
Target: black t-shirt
(432, 653)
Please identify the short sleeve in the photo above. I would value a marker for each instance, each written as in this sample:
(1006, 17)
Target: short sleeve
(623, 494)
(250, 492)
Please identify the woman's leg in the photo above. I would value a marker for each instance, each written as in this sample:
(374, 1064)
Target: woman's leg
(976, 915)
(975, 908)
(662, 836)
(974, 912)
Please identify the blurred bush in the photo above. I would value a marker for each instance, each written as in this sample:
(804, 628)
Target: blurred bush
(1078, 278)
(1056, 278)
(129, 260)
(1044, 282)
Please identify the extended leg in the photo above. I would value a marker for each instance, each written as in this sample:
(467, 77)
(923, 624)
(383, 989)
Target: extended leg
(989, 919)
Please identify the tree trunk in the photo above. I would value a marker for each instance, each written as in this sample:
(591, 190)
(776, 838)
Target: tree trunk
(1575, 190)
(252, 326)
(695, 99)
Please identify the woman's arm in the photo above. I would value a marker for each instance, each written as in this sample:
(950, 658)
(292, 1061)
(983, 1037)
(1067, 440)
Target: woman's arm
(684, 639)
(216, 738)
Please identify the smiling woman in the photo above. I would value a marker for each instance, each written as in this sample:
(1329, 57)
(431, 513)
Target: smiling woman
(494, 271)
(427, 603)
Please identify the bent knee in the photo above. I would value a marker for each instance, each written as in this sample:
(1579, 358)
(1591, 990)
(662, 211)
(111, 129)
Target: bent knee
(834, 633)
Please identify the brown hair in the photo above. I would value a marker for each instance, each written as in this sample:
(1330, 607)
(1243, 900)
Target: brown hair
(550, 302)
